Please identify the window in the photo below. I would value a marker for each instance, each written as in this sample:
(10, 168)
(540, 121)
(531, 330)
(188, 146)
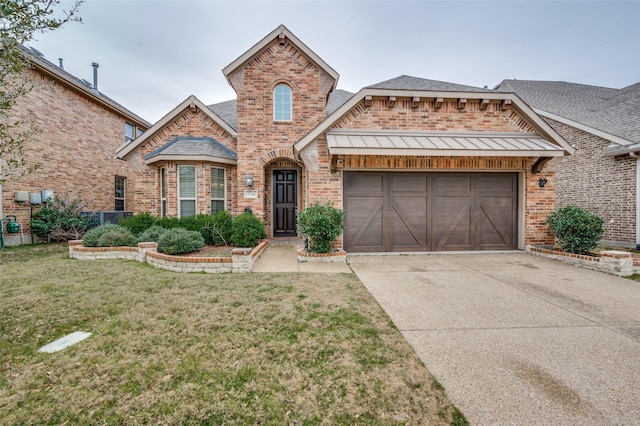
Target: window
(131, 132)
(187, 190)
(163, 192)
(217, 190)
(120, 189)
(282, 103)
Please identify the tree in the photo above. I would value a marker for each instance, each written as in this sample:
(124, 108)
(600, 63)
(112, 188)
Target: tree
(20, 20)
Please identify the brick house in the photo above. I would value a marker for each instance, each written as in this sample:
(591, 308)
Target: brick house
(603, 124)
(416, 164)
(80, 130)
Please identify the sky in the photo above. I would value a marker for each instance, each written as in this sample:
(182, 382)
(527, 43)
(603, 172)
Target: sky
(153, 54)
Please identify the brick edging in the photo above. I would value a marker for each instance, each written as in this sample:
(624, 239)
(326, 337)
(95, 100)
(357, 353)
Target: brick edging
(241, 260)
(334, 256)
(612, 262)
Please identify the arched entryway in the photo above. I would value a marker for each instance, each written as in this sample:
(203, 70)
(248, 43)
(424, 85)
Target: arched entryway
(283, 196)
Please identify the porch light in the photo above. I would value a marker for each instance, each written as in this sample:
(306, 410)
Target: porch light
(249, 180)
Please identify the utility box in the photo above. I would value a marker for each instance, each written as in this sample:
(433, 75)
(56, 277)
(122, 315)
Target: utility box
(35, 198)
(21, 196)
(47, 195)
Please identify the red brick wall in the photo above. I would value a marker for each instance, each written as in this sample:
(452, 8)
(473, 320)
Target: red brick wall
(146, 190)
(260, 138)
(604, 185)
(326, 186)
(74, 152)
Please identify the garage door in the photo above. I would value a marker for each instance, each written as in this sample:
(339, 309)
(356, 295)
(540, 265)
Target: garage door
(430, 211)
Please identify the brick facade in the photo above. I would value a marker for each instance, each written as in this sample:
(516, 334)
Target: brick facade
(146, 190)
(74, 152)
(603, 185)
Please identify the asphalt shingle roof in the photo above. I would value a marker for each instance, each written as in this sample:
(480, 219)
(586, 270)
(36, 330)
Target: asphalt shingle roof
(228, 111)
(614, 111)
(406, 82)
(194, 146)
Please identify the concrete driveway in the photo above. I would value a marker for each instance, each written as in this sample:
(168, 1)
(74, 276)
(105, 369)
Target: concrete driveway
(517, 339)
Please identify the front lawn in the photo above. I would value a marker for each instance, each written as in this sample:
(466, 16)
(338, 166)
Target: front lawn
(180, 349)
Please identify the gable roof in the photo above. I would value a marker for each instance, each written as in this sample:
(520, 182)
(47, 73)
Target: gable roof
(284, 31)
(407, 82)
(192, 148)
(46, 67)
(125, 149)
(613, 114)
(413, 86)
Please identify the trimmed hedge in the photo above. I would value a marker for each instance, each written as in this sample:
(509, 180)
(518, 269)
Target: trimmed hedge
(109, 235)
(152, 234)
(577, 230)
(247, 230)
(138, 223)
(180, 241)
(322, 225)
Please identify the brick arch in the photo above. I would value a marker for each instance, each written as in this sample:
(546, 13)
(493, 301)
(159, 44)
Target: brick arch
(277, 153)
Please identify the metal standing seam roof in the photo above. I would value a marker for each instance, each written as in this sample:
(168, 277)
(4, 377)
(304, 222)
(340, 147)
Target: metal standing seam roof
(440, 144)
(189, 147)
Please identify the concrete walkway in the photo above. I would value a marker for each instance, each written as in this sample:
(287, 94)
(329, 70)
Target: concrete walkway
(517, 339)
(284, 258)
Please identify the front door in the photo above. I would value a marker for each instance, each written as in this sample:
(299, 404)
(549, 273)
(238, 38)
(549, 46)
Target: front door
(285, 202)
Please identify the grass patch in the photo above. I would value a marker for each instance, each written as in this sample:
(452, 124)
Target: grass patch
(171, 348)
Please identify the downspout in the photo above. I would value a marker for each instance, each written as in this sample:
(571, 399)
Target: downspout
(1, 193)
(634, 155)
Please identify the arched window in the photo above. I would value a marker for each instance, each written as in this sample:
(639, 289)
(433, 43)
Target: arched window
(282, 103)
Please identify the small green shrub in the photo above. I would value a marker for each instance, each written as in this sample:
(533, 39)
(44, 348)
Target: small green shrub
(109, 235)
(117, 237)
(180, 241)
(222, 228)
(138, 223)
(247, 230)
(60, 220)
(168, 222)
(576, 229)
(322, 225)
(151, 234)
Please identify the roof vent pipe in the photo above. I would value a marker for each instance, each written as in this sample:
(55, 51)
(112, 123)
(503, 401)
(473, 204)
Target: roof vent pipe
(61, 66)
(95, 75)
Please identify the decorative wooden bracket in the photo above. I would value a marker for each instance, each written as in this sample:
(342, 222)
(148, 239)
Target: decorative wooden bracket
(334, 164)
(506, 104)
(415, 102)
(392, 101)
(462, 102)
(438, 103)
(539, 164)
(368, 101)
(484, 104)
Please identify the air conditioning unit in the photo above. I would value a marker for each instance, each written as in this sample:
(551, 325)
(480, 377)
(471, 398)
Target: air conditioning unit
(101, 218)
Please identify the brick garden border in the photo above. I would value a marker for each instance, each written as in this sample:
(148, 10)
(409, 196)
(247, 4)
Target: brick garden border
(334, 256)
(614, 262)
(241, 260)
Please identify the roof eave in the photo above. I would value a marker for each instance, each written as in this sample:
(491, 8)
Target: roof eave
(189, 158)
(444, 152)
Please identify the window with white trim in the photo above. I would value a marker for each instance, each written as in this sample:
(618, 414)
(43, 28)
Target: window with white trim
(186, 191)
(120, 193)
(131, 132)
(163, 192)
(218, 190)
(282, 103)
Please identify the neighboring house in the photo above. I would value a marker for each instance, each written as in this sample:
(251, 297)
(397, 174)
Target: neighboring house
(416, 164)
(603, 124)
(81, 129)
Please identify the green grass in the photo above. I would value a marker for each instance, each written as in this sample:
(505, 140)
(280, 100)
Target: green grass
(198, 349)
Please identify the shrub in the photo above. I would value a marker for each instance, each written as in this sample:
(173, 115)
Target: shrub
(168, 222)
(138, 223)
(151, 234)
(576, 229)
(109, 235)
(60, 220)
(222, 228)
(322, 225)
(247, 230)
(180, 241)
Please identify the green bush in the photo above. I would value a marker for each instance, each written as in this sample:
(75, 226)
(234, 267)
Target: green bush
(151, 234)
(576, 229)
(60, 220)
(222, 228)
(180, 241)
(168, 222)
(138, 223)
(247, 230)
(322, 225)
(109, 235)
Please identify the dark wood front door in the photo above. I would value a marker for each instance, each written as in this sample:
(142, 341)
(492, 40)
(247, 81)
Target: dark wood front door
(285, 202)
(430, 211)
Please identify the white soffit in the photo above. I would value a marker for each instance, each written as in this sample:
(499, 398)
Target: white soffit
(440, 144)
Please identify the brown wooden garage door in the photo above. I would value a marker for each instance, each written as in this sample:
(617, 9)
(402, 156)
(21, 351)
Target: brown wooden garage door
(430, 211)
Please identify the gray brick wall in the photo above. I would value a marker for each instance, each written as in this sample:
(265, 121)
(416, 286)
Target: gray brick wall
(603, 185)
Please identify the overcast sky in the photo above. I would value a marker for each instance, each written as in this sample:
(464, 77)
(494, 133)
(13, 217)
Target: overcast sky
(154, 54)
